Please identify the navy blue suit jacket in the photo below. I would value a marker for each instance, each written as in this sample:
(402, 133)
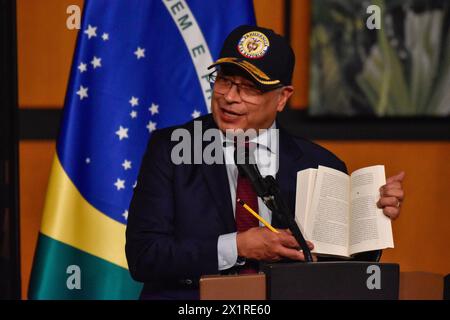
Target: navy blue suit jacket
(178, 211)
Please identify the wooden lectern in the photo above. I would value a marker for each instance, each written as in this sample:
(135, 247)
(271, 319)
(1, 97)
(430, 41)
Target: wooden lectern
(324, 280)
(233, 287)
(298, 281)
(421, 286)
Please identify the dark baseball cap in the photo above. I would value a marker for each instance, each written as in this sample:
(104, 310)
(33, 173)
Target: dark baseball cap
(265, 55)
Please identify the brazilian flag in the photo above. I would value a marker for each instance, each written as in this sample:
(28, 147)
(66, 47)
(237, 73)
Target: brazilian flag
(138, 66)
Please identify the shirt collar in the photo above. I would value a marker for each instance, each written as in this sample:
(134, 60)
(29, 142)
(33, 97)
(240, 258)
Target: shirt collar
(262, 140)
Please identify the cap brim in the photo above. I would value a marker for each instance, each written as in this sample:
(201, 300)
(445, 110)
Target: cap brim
(261, 78)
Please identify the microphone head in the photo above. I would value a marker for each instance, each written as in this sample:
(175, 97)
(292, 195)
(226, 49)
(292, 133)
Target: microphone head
(244, 158)
(245, 153)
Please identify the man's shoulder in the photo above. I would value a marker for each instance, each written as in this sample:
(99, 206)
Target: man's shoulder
(311, 147)
(316, 152)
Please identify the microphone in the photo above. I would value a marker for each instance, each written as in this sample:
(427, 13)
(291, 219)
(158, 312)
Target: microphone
(268, 190)
(246, 164)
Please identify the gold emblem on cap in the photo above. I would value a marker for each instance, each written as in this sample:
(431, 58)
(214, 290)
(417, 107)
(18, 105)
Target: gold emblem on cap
(253, 45)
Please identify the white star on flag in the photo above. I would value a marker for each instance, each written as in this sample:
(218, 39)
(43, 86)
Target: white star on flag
(126, 164)
(105, 36)
(134, 101)
(195, 114)
(125, 214)
(91, 31)
(140, 53)
(154, 109)
(120, 184)
(88, 160)
(122, 133)
(151, 126)
(82, 92)
(82, 67)
(133, 114)
(135, 184)
(96, 62)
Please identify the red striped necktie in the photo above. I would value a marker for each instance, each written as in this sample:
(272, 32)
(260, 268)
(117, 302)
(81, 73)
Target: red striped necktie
(244, 219)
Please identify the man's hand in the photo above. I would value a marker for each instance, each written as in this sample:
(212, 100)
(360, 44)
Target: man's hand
(391, 196)
(263, 244)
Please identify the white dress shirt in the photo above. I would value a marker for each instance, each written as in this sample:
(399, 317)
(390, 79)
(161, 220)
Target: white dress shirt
(266, 157)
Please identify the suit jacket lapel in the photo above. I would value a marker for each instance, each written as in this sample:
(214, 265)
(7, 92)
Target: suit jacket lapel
(289, 157)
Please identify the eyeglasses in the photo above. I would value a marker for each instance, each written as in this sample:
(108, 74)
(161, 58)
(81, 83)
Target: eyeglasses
(222, 85)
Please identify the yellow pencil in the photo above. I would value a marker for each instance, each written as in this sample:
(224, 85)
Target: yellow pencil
(257, 216)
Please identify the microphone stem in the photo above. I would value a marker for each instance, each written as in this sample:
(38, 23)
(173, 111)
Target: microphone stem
(281, 209)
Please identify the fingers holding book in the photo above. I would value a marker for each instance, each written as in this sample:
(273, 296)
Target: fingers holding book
(391, 196)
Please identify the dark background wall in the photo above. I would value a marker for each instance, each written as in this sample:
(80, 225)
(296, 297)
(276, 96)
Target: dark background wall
(9, 188)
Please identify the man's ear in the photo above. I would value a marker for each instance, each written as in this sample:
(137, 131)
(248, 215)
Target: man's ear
(285, 94)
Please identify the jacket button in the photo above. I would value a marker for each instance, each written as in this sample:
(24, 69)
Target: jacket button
(188, 281)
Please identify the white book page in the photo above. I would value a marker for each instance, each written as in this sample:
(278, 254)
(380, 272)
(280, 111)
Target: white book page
(327, 223)
(370, 229)
(306, 180)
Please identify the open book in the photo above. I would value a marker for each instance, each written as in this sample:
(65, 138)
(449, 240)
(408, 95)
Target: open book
(338, 212)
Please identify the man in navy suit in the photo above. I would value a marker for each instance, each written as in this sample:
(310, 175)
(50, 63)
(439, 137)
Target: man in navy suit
(183, 219)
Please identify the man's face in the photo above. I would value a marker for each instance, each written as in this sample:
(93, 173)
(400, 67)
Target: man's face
(231, 111)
